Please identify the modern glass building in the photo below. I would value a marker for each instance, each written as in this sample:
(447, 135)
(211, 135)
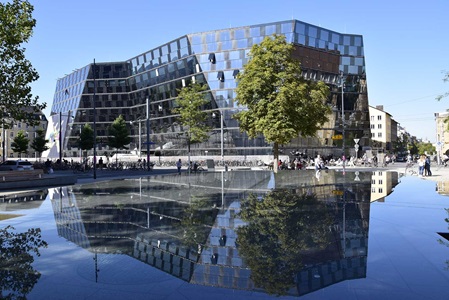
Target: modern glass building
(213, 58)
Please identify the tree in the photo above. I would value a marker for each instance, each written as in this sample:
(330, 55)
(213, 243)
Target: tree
(20, 143)
(16, 72)
(16, 253)
(280, 229)
(400, 145)
(86, 139)
(118, 134)
(39, 144)
(426, 148)
(197, 219)
(281, 104)
(190, 103)
(445, 79)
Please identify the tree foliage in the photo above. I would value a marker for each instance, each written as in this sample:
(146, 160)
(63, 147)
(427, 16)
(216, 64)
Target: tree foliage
(400, 145)
(426, 148)
(281, 104)
(20, 143)
(281, 227)
(445, 79)
(118, 134)
(39, 144)
(86, 139)
(18, 276)
(196, 221)
(190, 107)
(16, 72)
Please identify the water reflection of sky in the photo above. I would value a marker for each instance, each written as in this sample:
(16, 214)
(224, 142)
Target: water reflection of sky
(130, 239)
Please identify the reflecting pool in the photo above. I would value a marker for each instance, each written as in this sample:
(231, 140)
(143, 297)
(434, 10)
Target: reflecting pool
(240, 234)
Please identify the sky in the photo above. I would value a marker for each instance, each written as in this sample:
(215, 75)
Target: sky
(406, 43)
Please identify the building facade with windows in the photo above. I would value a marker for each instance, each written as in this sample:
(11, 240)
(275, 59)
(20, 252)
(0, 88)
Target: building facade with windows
(442, 134)
(7, 136)
(103, 91)
(384, 129)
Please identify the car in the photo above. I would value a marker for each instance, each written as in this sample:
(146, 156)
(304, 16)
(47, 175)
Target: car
(401, 158)
(13, 165)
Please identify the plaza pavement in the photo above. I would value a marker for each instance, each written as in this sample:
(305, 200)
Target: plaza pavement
(439, 173)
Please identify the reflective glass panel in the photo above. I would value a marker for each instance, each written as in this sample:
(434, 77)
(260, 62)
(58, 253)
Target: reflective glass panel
(210, 38)
(239, 34)
(270, 29)
(225, 36)
(255, 31)
(286, 27)
(313, 32)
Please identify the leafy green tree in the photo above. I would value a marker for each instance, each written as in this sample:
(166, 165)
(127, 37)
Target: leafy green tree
(20, 143)
(196, 221)
(413, 147)
(118, 134)
(400, 145)
(16, 72)
(426, 148)
(17, 274)
(190, 103)
(86, 139)
(280, 228)
(39, 144)
(281, 104)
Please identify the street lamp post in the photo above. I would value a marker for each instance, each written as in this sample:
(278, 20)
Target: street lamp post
(343, 113)
(60, 137)
(140, 135)
(148, 134)
(95, 124)
(3, 143)
(221, 137)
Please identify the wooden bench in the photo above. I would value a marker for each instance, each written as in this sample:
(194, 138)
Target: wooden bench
(20, 175)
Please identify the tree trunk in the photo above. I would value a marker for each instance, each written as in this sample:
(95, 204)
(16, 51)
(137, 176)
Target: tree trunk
(276, 157)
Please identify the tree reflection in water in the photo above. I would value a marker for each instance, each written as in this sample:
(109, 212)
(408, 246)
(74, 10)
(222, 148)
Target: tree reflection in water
(17, 275)
(282, 226)
(196, 222)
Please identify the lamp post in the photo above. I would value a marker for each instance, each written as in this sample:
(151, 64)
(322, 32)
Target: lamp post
(342, 113)
(3, 143)
(140, 136)
(95, 124)
(221, 137)
(148, 134)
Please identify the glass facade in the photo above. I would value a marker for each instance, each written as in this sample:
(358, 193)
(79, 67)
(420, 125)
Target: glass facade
(215, 58)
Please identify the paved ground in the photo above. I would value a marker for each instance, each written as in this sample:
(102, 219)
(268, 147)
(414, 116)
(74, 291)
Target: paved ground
(439, 173)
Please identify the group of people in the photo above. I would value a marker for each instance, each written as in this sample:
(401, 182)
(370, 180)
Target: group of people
(424, 165)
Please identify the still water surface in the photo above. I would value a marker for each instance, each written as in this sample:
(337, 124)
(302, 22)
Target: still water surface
(244, 234)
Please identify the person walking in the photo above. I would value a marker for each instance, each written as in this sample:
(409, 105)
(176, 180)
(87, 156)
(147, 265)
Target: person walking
(318, 165)
(427, 171)
(100, 163)
(421, 164)
(179, 165)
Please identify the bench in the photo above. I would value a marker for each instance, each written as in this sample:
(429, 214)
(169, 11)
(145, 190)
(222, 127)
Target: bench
(21, 175)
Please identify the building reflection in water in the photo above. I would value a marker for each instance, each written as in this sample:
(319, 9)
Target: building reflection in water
(187, 225)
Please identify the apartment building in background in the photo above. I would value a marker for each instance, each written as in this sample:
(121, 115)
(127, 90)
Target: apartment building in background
(384, 129)
(7, 138)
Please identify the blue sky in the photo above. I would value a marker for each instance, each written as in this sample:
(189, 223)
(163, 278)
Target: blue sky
(406, 42)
